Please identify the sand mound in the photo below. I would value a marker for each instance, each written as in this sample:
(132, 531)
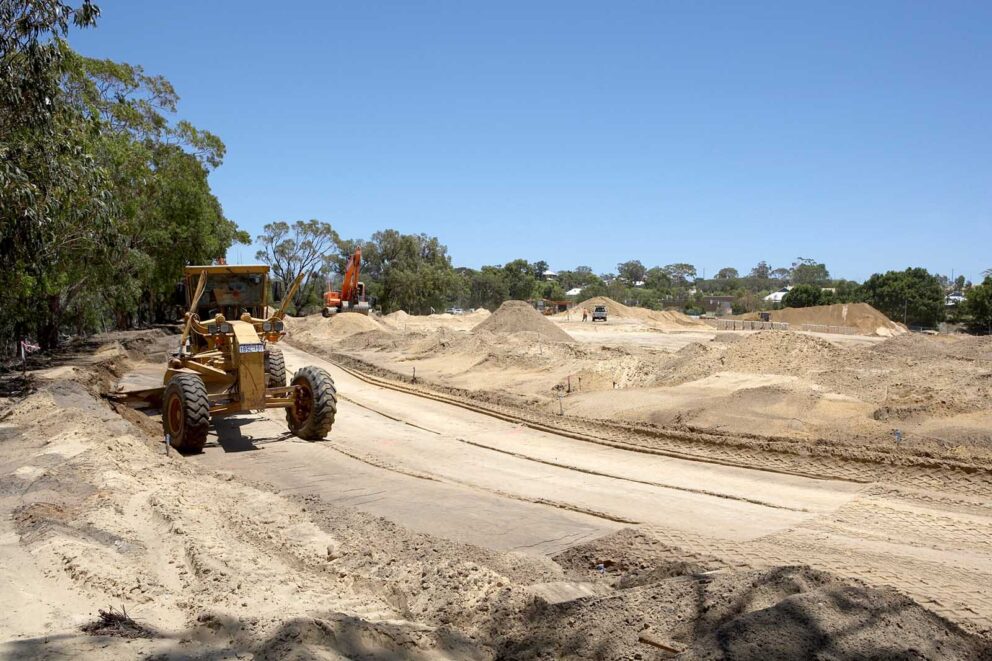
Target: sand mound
(613, 309)
(790, 612)
(768, 350)
(316, 328)
(919, 347)
(765, 352)
(676, 320)
(861, 316)
(404, 321)
(665, 320)
(518, 316)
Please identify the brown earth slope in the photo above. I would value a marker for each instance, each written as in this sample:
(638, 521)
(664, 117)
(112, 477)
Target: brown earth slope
(93, 514)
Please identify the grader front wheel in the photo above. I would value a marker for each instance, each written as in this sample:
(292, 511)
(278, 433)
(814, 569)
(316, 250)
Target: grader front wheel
(275, 368)
(186, 412)
(314, 404)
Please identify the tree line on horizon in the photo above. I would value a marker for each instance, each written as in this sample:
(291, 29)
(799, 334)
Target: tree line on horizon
(413, 272)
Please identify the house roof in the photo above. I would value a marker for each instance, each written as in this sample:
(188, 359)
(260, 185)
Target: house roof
(777, 296)
(574, 291)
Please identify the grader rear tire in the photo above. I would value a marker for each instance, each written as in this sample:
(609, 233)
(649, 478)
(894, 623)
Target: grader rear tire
(186, 412)
(315, 404)
(275, 368)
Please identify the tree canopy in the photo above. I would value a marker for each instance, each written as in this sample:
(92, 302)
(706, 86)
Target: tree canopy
(727, 273)
(806, 271)
(803, 296)
(305, 247)
(411, 272)
(104, 196)
(978, 306)
(913, 296)
(632, 271)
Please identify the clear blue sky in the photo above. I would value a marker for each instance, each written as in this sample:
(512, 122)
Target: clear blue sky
(720, 134)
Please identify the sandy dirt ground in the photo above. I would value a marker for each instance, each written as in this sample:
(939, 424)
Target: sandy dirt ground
(908, 391)
(424, 529)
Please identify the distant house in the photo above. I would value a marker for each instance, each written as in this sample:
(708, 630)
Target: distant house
(574, 291)
(777, 296)
(550, 275)
(954, 298)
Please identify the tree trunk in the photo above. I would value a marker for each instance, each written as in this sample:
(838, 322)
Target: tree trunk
(48, 329)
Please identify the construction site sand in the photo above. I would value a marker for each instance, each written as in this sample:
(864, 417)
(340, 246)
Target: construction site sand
(861, 316)
(669, 320)
(520, 316)
(766, 352)
(931, 389)
(316, 328)
(400, 320)
(94, 514)
(934, 391)
(774, 615)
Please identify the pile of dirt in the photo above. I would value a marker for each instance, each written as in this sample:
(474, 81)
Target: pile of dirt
(765, 352)
(613, 309)
(781, 351)
(866, 319)
(519, 316)
(917, 347)
(663, 601)
(401, 320)
(664, 320)
(316, 328)
(675, 320)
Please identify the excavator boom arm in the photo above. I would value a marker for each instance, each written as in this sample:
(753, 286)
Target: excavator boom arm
(349, 287)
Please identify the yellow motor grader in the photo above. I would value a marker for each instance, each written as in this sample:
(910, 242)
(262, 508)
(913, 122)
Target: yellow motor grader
(227, 361)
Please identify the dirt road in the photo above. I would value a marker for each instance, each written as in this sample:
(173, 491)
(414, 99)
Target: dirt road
(441, 469)
(445, 470)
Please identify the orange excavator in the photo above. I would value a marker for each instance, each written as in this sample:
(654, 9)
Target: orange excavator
(351, 298)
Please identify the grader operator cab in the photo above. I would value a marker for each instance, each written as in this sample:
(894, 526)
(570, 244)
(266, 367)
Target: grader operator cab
(227, 361)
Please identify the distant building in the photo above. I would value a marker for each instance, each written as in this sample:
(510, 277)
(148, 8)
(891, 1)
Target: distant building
(954, 298)
(574, 291)
(777, 296)
(550, 275)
